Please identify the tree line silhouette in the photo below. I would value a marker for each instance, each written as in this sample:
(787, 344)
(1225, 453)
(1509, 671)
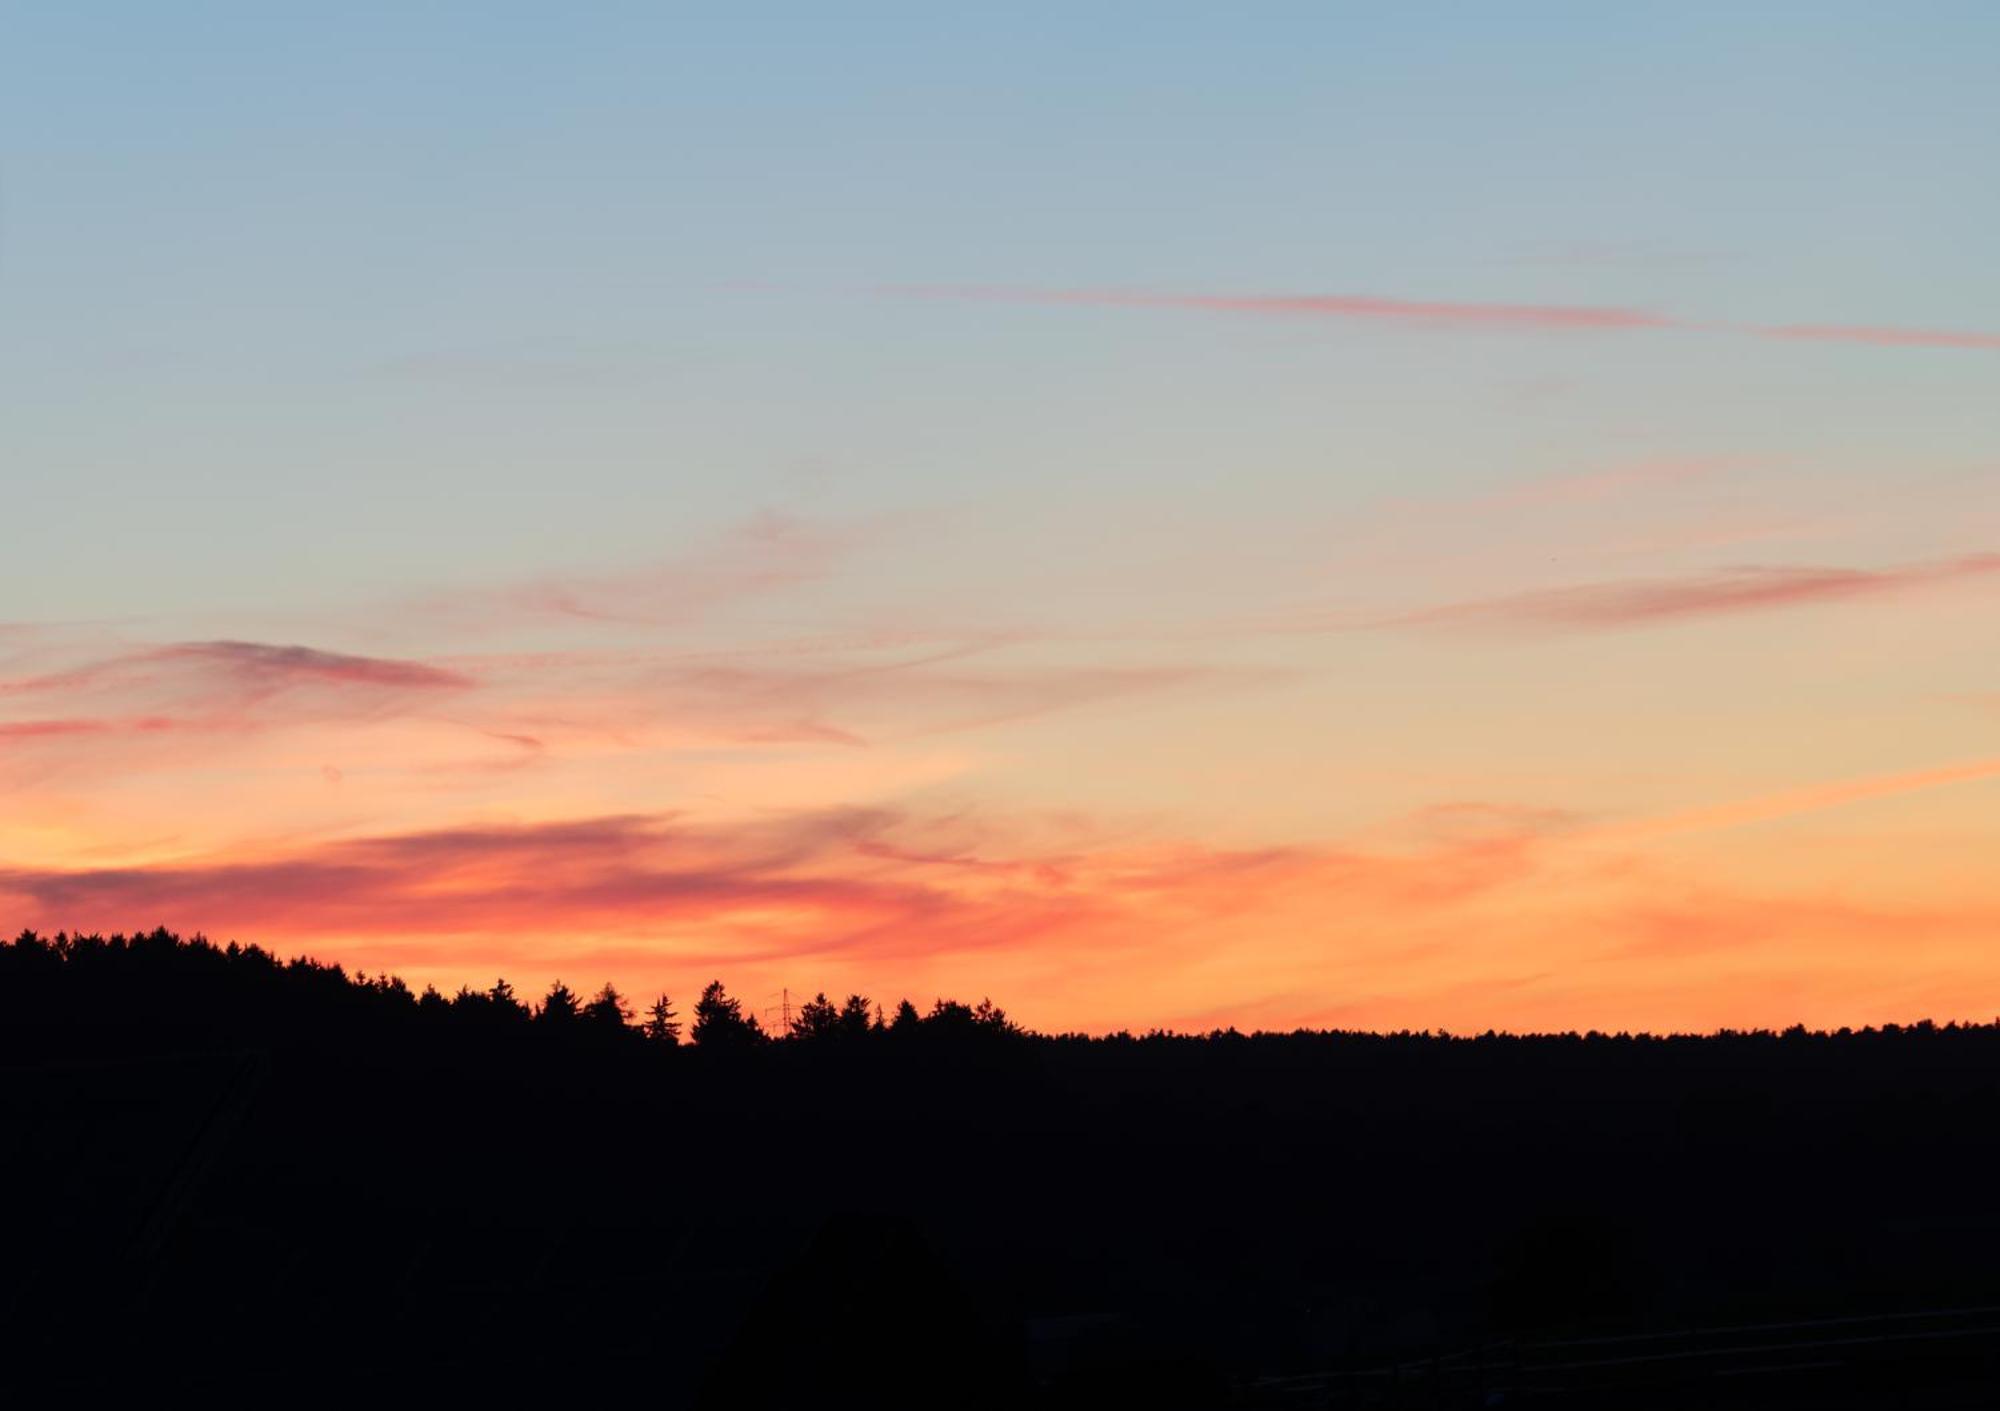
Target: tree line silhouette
(167, 979)
(164, 978)
(245, 1166)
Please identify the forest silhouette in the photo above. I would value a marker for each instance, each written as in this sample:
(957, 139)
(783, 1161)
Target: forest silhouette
(229, 1172)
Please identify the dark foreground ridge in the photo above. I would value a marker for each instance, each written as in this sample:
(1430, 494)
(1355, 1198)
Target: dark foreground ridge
(230, 1174)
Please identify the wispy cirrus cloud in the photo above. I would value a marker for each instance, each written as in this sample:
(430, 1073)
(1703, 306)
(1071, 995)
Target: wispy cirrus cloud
(853, 701)
(803, 883)
(1712, 921)
(282, 667)
(1463, 314)
(234, 670)
(1879, 336)
(69, 728)
(1811, 798)
(764, 554)
(1643, 602)
(50, 729)
(1503, 914)
(1443, 314)
(863, 884)
(1597, 486)
(111, 713)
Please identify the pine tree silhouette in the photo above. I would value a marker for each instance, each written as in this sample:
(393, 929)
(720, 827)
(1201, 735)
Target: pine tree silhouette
(719, 1021)
(558, 1007)
(662, 1026)
(608, 1010)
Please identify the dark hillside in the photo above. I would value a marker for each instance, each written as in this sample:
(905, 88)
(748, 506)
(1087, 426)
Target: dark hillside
(228, 1173)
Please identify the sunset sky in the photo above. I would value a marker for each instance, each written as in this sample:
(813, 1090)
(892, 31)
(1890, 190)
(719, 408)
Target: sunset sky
(1336, 514)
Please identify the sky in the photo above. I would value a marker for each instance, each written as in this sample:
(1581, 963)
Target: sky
(1379, 516)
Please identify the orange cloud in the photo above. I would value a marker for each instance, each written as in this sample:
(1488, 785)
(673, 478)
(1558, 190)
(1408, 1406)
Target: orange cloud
(880, 891)
(1811, 799)
(836, 869)
(1498, 915)
(1466, 912)
(1703, 921)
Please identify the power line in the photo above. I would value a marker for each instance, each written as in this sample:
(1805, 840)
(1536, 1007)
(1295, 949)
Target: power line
(784, 1008)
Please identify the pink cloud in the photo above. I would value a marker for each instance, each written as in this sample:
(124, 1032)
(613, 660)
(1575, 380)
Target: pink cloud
(764, 554)
(53, 682)
(839, 692)
(1340, 306)
(280, 666)
(236, 670)
(146, 706)
(1880, 336)
(965, 701)
(51, 729)
(1505, 915)
(1638, 476)
(798, 885)
(1597, 606)
(67, 729)
(869, 885)
(1574, 318)
(842, 698)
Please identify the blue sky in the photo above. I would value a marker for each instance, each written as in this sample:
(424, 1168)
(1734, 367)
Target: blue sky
(557, 343)
(255, 254)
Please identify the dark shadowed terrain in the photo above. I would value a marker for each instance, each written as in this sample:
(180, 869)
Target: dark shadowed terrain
(228, 1174)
